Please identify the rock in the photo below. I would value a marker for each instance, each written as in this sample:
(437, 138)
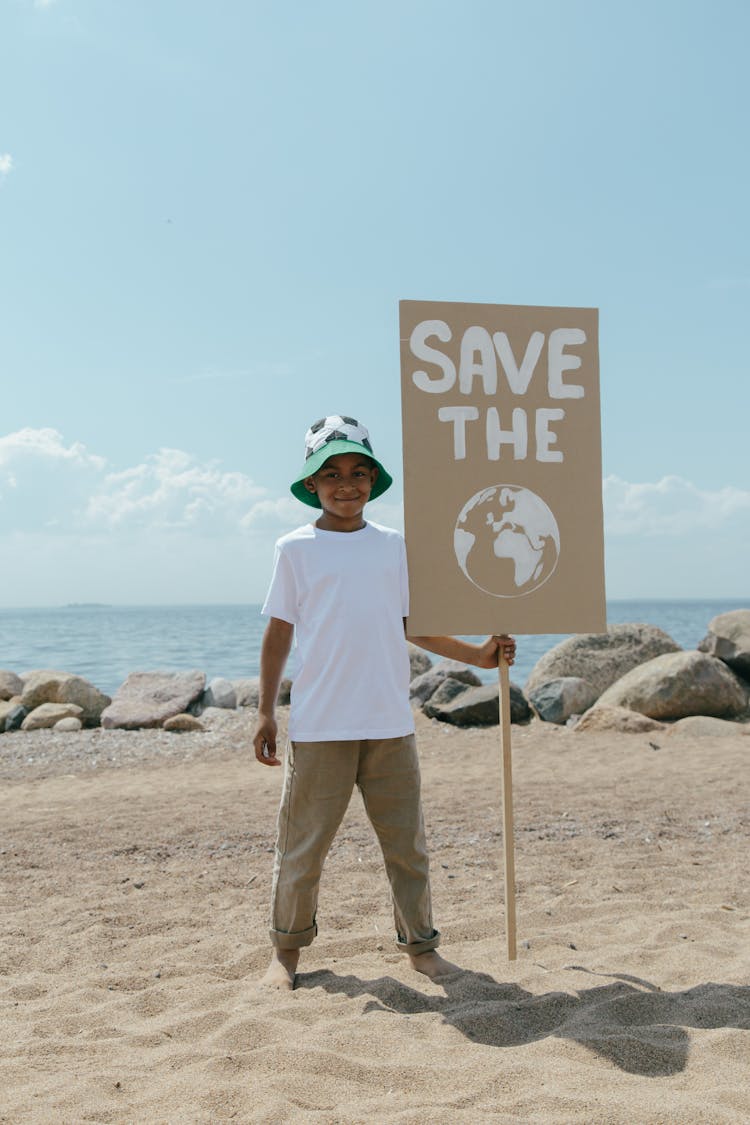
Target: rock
(219, 693)
(48, 714)
(458, 671)
(679, 684)
(601, 658)
(616, 718)
(15, 717)
(424, 686)
(70, 724)
(705, 726)
(247, 692)
(419, 661)
(10, 685)
(556, 700)
(285, 693)
(480, 707)
(729, 639)
(148, 699)
(63, 687)
(6, 706)
(448, 689)
(182, 723)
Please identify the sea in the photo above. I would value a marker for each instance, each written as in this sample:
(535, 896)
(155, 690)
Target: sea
(103, 643)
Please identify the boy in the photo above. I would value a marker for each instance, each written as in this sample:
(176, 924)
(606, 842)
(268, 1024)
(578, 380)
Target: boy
(341, 584)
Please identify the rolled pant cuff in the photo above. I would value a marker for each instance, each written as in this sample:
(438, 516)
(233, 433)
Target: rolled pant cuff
(283, 940)
(419, 946)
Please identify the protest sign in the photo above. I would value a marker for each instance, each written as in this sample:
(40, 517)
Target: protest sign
(502, 484)
(502, 468)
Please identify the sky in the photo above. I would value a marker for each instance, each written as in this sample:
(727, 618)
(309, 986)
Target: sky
(208, 215)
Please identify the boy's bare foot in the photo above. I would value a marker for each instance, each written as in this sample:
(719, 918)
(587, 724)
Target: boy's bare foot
(280, 973)
(432, 964)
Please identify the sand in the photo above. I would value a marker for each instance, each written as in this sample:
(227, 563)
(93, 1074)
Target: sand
(136, 873)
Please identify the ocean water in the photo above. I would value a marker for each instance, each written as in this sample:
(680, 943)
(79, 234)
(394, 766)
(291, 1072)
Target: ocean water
(105, 643)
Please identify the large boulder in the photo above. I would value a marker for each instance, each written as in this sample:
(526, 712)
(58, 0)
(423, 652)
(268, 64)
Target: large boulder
(424, 687)
(557, 700)
(63, 687)
(616, 718)
(219, 693)
(447, 691)
(679, 684)
(480, 707)
(419, 661)
(10, 685)
(146, 699)
(729, 639)
(601, 658)
(48, 714)
(247, 692)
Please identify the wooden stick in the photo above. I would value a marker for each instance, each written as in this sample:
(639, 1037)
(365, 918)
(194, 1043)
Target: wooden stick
(507, 776)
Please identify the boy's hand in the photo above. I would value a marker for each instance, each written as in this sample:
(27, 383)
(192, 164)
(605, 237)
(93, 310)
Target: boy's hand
(264, 741)
(493, 648)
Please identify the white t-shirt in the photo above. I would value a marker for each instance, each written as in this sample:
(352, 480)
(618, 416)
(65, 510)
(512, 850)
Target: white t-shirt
(346, 593)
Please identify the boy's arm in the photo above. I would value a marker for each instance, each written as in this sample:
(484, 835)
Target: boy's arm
(277, 641)
(484, 655)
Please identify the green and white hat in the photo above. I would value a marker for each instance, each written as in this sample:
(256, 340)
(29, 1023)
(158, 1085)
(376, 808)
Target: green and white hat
(329, 436)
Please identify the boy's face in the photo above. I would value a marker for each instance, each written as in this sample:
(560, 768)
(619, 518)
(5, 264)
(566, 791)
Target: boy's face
(343, 485)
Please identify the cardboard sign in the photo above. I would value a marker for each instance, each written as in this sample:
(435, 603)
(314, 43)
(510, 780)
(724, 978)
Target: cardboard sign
(502, 468)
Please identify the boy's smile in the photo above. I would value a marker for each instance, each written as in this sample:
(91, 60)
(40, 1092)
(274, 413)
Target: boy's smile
(343, 486)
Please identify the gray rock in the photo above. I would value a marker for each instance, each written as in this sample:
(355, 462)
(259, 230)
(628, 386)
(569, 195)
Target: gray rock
(679, 684)
(285, 693)
(220, 693)
(704, 726)
(556, 700)
(184, 722)
(458, 671)
(448, 689)
(69, 724)
(729, 639)
(480, 707)
(15, 717)
(419, 661)
(48, 714)
(6, 706)
(10, 685)
(601, 658)
(423, 687)
(616, 718)
(63, 687)
(148, 699)
(247, 692)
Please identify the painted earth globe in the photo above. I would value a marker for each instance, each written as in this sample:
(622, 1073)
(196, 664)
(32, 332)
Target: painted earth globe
(506, 540)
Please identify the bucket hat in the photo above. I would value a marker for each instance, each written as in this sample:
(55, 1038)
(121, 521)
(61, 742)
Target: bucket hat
(329, 436)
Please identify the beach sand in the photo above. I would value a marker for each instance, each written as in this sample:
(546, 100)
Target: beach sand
(136, 875)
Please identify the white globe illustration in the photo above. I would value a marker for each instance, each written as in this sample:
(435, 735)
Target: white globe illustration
(506, 540)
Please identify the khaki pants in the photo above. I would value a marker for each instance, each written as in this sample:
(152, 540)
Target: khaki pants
(318, 782)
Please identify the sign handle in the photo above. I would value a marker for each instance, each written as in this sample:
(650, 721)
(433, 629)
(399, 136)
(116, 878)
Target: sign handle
(507, 786)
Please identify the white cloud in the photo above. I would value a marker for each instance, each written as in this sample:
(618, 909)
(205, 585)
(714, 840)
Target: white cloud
(670, 506)
(6, 163)
(45, 445)
(171, 490)
(44, 3)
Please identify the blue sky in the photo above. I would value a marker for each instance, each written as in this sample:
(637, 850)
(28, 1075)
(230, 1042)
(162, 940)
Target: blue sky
(208, 214)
